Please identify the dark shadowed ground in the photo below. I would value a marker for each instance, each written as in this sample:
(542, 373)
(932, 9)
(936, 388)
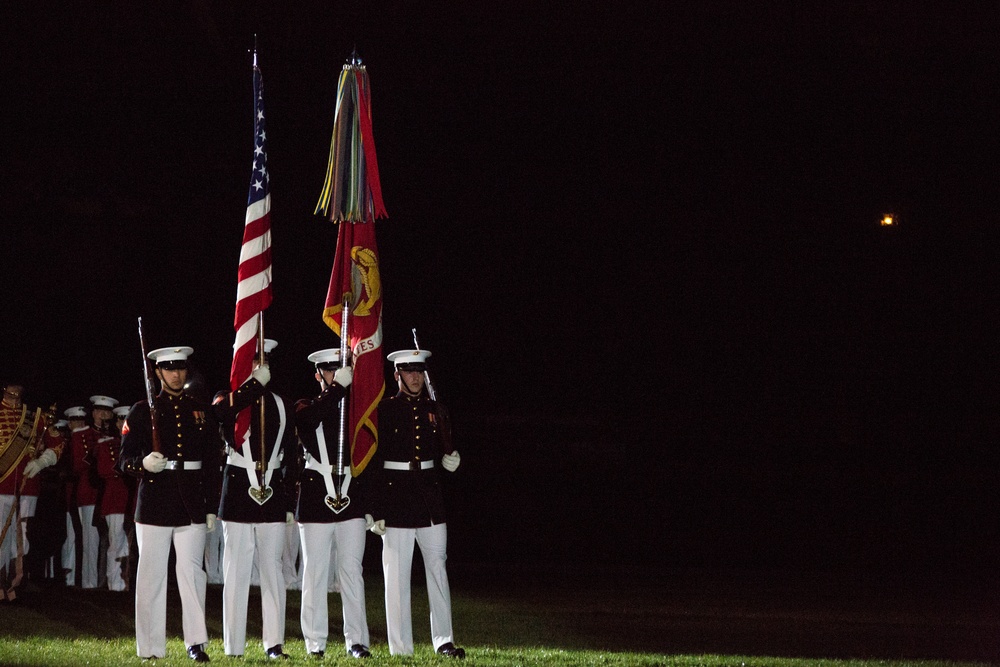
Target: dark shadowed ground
(750, 613)
(755, 613)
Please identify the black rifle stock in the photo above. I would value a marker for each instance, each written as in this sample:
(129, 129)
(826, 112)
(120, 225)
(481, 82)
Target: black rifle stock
(147, 374)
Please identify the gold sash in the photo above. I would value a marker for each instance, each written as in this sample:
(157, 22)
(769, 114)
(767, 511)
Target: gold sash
(12, 451)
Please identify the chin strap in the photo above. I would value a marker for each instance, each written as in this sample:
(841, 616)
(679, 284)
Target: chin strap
(322, 380)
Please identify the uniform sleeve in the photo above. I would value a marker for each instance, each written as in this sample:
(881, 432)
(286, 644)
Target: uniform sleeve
(291, 460)
(444, 429)
(309, 414)
(229, 406)
(53, 442)
(137, 441)
(374, 473)
(211, 465)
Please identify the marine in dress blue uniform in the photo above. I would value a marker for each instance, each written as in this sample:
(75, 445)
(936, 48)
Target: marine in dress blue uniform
(176, 501)
(323, 516)
(258, 500)
(409, 505)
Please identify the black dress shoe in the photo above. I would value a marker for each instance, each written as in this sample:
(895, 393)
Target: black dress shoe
(197, 653)
(451, 651)
(316, 654)
(359, 651)
(275, 653)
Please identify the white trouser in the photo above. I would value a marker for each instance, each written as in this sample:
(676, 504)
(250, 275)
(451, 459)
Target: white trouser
(243, 541)
(334, 584)
(316, 538)
(28, 505)
(213, 556)
(117, 551)
(291, 570)
(397, 560)
(8, 550)
(90, 546)
(151, 585)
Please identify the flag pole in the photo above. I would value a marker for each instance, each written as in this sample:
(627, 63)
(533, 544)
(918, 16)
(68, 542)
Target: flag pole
(260, 353)
(263, 442)
(346, 306)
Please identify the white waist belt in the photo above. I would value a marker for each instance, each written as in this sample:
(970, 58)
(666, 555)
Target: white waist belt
(407, 465)
(183, 465)
(313, 464)
(234, 459)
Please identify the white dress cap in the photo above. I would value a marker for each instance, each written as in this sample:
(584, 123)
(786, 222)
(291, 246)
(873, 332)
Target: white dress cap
(76, 412)
(103, 402)
(170, 354)
(121, 411)
(326, 356)
(407, 357)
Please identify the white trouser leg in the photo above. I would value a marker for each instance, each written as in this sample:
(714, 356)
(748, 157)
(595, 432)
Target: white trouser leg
(334, 585)
(189, 548)
(236, 558)
(69, 551)
(255, 571)
(117, 551)
(28, 505)
(91, 541)
(289, 555)
(151, 590)
(397, 559)
(213, 557)
(8, 550)
(350, 540)
(314, 617)
(270, 542)
(433, 543)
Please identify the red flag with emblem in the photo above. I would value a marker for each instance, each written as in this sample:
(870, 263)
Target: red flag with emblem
(352, 197)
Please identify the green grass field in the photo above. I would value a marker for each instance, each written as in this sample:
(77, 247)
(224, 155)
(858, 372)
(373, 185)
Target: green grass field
(562, 616)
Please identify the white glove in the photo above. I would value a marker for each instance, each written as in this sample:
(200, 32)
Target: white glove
(377, 527)
(209, 523)
(262, 374)
(289, 518)
(344, 376)
(32, 468)
(35, 466)
(450, 461)
(154, 462)
(46, 459)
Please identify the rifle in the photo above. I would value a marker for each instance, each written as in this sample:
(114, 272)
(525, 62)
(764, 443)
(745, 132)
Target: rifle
(442, 417)
(147, 374)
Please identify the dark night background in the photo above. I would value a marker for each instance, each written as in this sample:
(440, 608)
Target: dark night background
(641, 239)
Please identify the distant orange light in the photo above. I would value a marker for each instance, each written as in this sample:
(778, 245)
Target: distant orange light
(888, 220)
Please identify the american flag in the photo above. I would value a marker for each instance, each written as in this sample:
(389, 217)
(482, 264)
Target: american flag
(253, 293)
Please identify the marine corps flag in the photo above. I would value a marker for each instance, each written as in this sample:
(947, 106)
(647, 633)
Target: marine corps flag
(352, 197)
